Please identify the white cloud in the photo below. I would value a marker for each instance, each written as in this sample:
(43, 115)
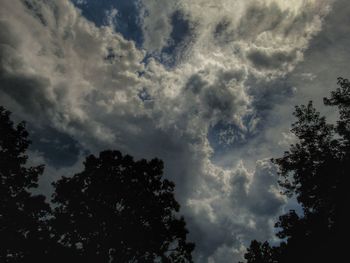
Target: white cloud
(234, 206)
(226, 31)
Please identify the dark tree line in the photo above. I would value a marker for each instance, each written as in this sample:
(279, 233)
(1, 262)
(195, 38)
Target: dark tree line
(315, 170)
(115, 210)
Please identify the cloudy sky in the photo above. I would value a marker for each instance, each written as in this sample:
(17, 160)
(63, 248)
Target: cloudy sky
(207, 86)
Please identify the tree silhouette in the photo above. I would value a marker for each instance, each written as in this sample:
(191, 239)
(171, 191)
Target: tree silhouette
(315, 170)
(23, 231)
(120, 210)
(261, 253)
(116, 210)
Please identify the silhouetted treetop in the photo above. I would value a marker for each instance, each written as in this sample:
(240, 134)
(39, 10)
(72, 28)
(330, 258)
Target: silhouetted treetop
(22, 214)
(316, 171)
(260, 253)
(341, 98)
(304, 169)
(120, 210)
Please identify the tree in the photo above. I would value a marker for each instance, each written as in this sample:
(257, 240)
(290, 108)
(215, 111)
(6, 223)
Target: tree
(23, 231)
(341, 98)
(120, 210)
(315, 170)
(261, 253)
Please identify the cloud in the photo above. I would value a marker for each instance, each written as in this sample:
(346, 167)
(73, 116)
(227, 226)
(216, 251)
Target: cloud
(233, 207)
(72, 79)
(235, 28)
(64, 62)
(264, 60)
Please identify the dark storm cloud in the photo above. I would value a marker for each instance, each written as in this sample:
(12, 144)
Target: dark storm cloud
(7, 39)
(27, 91)
(264, 60)
(327, 58)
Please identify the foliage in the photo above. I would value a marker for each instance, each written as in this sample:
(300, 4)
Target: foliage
(115, 210)
(315, 170)
(23, 231)
(120, 210)
(260, 253)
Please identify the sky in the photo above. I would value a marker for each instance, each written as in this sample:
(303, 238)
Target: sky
(207, 86)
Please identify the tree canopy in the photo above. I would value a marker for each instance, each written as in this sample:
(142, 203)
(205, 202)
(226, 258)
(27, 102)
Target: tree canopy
(115, 210)
(120, 210)
(23, 229)
(315, 170)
